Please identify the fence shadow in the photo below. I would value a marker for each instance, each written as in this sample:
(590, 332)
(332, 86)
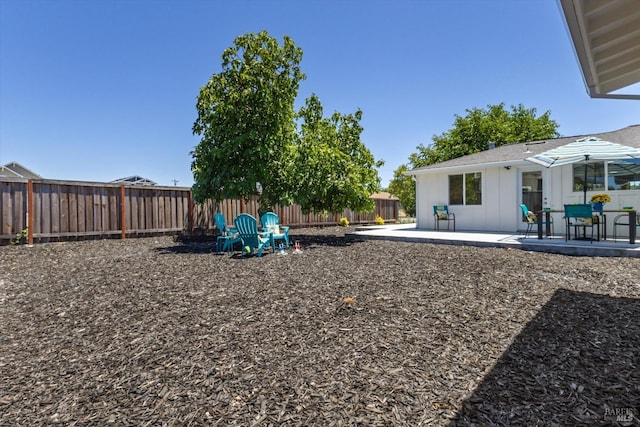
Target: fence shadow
(575, 363)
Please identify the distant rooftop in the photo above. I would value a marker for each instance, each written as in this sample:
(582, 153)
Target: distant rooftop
(134, 180)
(16, 170)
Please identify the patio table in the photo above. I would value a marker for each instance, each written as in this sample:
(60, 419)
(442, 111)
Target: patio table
(632, 222)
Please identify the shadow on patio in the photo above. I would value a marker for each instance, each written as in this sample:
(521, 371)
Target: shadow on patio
(575, 363)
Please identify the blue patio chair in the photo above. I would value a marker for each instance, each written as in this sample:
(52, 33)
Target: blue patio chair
(247, 227)
(271, 222)
(441, 213)
(579, 216)
(228, 235)
(532, 220)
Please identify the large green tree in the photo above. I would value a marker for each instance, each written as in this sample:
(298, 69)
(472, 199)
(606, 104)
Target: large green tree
(331, 168)
(470, 134)
(246, 120)
(250, 135)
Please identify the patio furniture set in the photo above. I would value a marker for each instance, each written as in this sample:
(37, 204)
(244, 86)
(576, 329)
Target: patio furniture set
(578, 217)
(252, 238)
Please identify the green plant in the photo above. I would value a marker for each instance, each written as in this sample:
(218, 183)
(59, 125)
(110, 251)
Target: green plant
(379, 220)
(600, 198)
(21, 237)
(344, 222)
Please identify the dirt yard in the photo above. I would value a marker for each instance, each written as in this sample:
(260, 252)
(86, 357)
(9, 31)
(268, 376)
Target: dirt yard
(155, 331)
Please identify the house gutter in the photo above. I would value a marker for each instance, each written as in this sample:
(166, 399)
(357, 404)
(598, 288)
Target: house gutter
(433, 170)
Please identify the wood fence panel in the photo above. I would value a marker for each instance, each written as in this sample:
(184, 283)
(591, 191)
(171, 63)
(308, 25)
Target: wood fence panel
(181, 209)
(73, 209)
(45, 206)
(6, 204)
(148, 211)
(64, 209)
(132, 219)
(161, 212)
(88, 211)
(56, 217)
(82, 218)
(114, 209)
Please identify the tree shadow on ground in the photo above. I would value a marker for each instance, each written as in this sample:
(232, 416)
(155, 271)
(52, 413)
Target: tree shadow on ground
(575, 363)
(309, 241)
(189, 247)
(208, 244)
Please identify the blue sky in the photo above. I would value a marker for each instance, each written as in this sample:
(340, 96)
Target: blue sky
(99, 90)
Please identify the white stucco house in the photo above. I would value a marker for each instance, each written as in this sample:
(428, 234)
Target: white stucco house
(485, 189)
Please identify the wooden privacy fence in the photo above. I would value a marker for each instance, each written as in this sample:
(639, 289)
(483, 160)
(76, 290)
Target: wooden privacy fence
(48, 210)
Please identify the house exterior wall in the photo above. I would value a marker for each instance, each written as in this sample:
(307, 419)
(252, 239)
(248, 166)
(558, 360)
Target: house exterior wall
(498, 211)
(502, 196)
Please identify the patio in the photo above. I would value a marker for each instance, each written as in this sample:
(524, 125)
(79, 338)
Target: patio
(555, 244)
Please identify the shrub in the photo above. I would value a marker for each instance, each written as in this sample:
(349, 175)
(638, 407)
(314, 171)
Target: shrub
(379, 220)
(344, 222)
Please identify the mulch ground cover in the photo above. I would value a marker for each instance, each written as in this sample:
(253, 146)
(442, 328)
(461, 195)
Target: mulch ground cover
(156, 331)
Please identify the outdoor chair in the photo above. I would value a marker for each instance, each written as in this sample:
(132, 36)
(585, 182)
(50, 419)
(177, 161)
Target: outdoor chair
(579, 216)
(623, 220)
(441, 213)
(228, 235)
(271, 222)
(532, 220)
(247, 227)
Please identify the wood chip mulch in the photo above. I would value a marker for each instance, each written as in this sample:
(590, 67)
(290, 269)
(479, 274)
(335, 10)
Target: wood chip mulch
(155, 331)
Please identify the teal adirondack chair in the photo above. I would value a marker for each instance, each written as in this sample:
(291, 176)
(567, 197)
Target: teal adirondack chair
(271, 222)
(247, 227)
(228, 235)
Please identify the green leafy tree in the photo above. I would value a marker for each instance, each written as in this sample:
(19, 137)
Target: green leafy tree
(331, 168)
(246, 121)
(470, 134)
(404, 188)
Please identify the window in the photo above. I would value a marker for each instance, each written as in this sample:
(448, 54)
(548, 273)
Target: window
(623, 175)
(465, 189)
(594, 176)
(612, 175)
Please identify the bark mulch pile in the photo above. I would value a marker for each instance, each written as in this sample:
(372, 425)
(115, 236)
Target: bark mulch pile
(154, 331)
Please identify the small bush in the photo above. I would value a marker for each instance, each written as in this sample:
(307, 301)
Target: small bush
(379, 220)
(344, 222)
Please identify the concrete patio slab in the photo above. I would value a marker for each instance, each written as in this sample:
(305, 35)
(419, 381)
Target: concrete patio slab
(555, 244)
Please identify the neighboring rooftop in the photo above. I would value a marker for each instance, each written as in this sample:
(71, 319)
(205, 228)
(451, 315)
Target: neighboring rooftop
(16, 170)
(134, 180)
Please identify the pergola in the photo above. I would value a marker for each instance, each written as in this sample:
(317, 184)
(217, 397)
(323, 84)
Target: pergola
(606, 38)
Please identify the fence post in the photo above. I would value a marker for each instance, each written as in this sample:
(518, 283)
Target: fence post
(123, 213)
(30, 212)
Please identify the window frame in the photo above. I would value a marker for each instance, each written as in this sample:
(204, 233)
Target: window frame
(465, 189)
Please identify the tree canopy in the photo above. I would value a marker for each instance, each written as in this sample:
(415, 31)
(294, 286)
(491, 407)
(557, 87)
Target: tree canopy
(253, 142)
(332, 168)
(246, 120)
(470, 134)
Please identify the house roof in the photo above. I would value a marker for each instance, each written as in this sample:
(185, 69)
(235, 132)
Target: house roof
(516, 154)
(16, 170)
(134, 180)
(606, 39)
(384, 195)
